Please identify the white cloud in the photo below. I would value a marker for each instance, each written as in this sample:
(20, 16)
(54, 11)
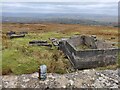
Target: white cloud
(59, 0)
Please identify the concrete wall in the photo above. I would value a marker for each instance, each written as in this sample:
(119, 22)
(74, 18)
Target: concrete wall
(68, 50)
(88, 58)
(86, 40)
(96, 58)
(103, 45)
(75, 41)
(89, 41)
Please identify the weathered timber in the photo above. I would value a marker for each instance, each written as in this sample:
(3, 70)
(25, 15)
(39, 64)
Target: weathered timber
(16, 36)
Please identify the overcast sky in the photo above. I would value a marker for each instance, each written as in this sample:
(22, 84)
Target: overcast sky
(59, 0)
(107, 7)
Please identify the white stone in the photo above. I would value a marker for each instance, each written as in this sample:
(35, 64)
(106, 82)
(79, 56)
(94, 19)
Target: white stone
(63, 86)
(100, 78)
(26, 80)
(35, 75)
(71, 82)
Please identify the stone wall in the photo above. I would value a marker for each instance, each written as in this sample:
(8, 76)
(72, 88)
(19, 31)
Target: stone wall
(88, 58)
(103, 45)
(96, 58)
(89, 41)
(86, 40)
(80, 79)
(68, 50)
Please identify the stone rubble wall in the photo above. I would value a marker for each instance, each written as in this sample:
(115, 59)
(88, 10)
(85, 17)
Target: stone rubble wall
(80, 79)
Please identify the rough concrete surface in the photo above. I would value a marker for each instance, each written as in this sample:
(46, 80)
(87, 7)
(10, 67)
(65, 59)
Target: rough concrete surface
(79, 79)
(98, 56)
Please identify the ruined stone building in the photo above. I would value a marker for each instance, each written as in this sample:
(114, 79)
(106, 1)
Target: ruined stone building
(88, 52)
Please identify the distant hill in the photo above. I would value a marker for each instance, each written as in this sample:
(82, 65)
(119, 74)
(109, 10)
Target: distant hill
(59, 18)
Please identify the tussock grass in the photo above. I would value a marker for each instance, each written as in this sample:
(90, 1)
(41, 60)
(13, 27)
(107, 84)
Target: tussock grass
(18, 57)
(21, 58)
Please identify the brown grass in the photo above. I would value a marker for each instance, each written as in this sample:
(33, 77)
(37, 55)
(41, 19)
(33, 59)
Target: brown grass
(101, 31)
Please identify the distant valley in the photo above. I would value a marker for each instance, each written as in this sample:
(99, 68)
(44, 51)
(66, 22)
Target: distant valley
(61, 18)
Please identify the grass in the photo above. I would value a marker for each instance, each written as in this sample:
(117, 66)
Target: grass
(19, 57)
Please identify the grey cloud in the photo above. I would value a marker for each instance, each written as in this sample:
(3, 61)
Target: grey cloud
(89, 7)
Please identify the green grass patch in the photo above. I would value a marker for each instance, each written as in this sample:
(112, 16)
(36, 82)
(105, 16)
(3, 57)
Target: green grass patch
(20, 58)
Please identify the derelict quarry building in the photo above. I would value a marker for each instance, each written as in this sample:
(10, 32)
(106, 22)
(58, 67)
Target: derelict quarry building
(88, 52)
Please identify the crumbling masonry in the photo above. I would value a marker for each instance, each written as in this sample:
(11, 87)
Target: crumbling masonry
(99, 53)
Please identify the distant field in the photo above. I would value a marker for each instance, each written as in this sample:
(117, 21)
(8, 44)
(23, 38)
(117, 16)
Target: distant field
(19, 57)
